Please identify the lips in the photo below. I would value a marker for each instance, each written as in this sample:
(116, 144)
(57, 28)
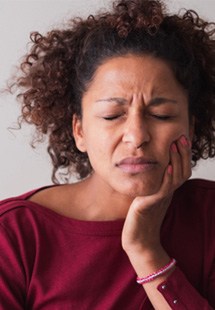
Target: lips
(136, 164)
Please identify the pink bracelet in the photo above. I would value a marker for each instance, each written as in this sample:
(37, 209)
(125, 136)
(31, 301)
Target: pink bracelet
(156, 274)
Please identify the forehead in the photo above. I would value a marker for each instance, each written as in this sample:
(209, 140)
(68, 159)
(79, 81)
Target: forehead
(133, 72)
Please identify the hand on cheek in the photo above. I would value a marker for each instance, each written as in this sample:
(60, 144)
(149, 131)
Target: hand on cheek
(180, 161)
(141, 232)
(146, 214)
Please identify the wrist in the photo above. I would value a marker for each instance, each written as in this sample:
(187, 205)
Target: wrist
(164, 271)
(146, 262)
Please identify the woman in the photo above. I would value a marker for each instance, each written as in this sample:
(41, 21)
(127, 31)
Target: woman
(127, 99)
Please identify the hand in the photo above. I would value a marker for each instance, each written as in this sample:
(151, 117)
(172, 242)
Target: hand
(141, 232)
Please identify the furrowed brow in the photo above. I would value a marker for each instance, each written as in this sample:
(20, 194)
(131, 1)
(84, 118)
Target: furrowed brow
(161, 100)
(118, 100)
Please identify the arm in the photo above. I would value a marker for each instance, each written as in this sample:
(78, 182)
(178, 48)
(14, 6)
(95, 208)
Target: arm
(180, 294)
(12, 282)
(141, 239)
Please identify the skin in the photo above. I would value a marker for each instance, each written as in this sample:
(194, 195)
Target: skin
(133, 108)
(150, 111)
(149, 119)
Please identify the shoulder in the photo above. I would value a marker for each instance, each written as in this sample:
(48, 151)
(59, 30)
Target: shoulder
(19, 213)
(24, 224)
(198, 188)
(197, 197)
(200, 184)
(13, 203)
(192, 214)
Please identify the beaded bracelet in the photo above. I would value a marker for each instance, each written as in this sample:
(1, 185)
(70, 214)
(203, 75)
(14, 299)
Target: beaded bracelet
(154, 275)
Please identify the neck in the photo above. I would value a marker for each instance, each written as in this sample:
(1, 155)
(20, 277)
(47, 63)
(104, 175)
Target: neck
(103, 201)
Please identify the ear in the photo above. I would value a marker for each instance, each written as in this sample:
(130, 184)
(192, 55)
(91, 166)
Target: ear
(78, 133)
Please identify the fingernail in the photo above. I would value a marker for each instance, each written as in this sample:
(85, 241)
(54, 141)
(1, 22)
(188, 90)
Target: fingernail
(169, 169)
(184, 141)
(174, 148)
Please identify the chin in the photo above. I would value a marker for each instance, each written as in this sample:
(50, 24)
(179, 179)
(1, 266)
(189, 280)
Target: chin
(137, 190)
(140, 184)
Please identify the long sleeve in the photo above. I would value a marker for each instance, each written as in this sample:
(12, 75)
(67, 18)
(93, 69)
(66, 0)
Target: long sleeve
(12, 282)
(188, 236)
(37, 245)
(181, 295)
(48, 261)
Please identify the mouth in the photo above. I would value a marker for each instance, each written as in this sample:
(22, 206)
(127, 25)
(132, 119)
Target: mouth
(136, 165)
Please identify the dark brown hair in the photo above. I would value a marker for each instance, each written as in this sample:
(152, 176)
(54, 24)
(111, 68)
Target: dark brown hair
(60, 65)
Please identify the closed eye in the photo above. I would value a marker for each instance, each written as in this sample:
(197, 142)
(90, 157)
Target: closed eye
(112, 117)
(162, 117)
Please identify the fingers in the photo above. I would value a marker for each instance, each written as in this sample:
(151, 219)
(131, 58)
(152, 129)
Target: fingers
(176, 173)
(179, 169)
(184, 147)
(180, 158)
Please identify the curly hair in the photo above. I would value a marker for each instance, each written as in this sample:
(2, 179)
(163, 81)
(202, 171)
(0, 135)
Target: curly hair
(60, 65)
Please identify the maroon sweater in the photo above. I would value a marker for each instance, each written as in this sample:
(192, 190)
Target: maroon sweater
(48, 261)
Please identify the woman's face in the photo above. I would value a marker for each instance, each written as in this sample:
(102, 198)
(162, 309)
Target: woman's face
(133, 110)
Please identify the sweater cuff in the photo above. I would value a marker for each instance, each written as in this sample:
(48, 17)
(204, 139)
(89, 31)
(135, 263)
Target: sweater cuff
(180, 294)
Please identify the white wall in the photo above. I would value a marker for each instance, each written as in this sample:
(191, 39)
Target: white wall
(21, 167)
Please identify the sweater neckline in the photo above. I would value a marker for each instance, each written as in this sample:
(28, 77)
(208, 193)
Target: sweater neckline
(109, 227)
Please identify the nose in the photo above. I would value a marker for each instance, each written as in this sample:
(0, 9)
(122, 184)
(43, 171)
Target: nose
(136, 131)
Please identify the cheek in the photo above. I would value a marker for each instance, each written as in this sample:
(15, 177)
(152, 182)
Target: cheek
(166, 138)
(98, 147)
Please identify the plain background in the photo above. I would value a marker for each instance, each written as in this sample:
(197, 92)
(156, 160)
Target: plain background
(21, 167)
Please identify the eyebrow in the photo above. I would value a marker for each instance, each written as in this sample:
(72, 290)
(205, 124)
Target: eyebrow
(161, 100)
(153, 102)
(118, 100)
